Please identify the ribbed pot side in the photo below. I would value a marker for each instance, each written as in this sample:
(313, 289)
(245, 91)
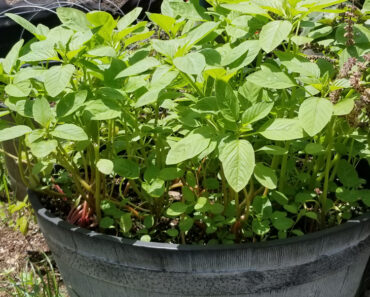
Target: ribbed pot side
(328, 263)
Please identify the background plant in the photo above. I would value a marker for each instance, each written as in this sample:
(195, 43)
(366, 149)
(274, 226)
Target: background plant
(238, 123)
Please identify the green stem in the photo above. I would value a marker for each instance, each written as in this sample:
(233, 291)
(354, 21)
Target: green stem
(193, 84)
(97, 184)
(330, 135)
(283, 169)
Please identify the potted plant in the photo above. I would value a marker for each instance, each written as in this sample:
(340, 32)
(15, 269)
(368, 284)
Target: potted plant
(204, 153)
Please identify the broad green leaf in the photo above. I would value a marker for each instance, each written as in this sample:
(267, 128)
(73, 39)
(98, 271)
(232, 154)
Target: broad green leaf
(42, 112)
(299, 64)
(186, 224)
(14, 132)
(202, 204)
(283, 129)
(260, 227)
(104, 21)
(321, 32)
(197, 34)
(167, 48)
(73, 18)
(148, 98)
(282, 223)
(103, 51)
(279, 197)
(176, 209)
(170, 173)
(106, 223)
(262, 207)
(300, 40)
(138, 37)
(238, 163)
(347, 174)
(165, 22)
(57, 78)
(23, 22)
(191, 10)
(256, 112)
(43, 148)
(265, 176)
(227, 102)
(20, 89)
(271, 77)
(188, 147)
(192, 63)
(314, 114)
(139, 67)
(12, 57)
(103, 109)
(248, 57)
(314, 148)
(105, 166)
(230, 55)
(273, 150)
(129, 18)
(69, 132)
(70, 103)
(126, 168)
(155, 188)
(27, 73)
(246, 8)
(344, 107)
(273, 34)
(125, 222)
(42, 54)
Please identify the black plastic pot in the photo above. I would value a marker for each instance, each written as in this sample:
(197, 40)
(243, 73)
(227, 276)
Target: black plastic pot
(328, 263)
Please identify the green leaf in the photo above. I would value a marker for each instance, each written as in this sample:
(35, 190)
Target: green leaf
(105, 166)
(104, 21)
(125, 222)
(70, 103)
(42, 112)
(188, 147)
(279, 197)
(192, 63)
(347, 174)
(265, 176)
(292, 208)
(246, 8)
(311, 215)
(12, 57)
(314, 114)
(103, 51)
(42, 54)
(282, 223)
(20, 89)
(171, 173)
(73, 18)
(106, 223)
(262, 206)
(299, 64)
(283, 129)
(43, 148)
(146, 238)
(126, 168)
(69, 132)
(172, 232)
(186, 224)
(199, 33)
(238, 162)
(129, 18)
(260, 227)
(176, 209)
(344, 107)
(23, 22)
(191, 10)
(273, 34)
(155, 188)
(202, 204)
(273, 150)
(103, 109)
(149, 221)
(256, 112)
(57, 78)
(14, 132)
(165, 22)
(139, 67)
(314, 148)
(227, 102)
(272, 78)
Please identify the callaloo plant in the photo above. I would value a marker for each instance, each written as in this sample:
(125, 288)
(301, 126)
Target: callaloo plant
(241, 122)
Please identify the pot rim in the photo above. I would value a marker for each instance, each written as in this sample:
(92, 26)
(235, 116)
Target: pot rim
(51, 218)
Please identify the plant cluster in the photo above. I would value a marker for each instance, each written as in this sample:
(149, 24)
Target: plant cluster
(237, 123)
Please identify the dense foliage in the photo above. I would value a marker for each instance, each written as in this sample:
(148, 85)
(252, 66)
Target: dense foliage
(242, 122)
